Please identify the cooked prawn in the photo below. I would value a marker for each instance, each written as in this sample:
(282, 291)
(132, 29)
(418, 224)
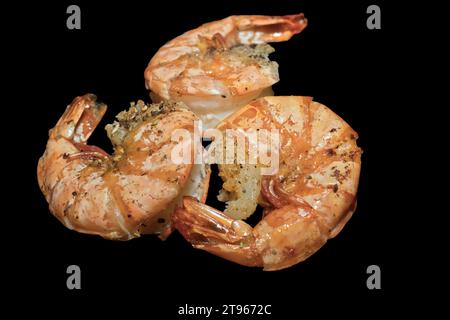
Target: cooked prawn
(222, 65)
(122, 195)
(307, 202)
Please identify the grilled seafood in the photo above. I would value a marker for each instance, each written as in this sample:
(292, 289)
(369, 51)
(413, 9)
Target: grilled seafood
(307, 202)
(222, 65)
(122, 195)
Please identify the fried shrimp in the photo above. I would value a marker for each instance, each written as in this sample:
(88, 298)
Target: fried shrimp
(122, 195)
(307, 202)
(222, 65)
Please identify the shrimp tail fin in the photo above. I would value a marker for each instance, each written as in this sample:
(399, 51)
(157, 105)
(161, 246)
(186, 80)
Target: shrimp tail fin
(209, 229)
(80, 119)
(263, 29)
(296, 22)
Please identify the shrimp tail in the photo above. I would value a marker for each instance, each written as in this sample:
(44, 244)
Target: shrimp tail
(80, 119)
(209, 229)
(265, 29)
(296, 22)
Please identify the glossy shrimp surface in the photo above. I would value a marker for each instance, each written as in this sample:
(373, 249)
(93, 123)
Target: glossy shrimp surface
(307, 202)
(222, 65)
(122, 195)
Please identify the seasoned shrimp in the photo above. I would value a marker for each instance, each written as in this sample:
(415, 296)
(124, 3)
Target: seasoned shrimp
(126, 194)
(307, 202)
(222, 65)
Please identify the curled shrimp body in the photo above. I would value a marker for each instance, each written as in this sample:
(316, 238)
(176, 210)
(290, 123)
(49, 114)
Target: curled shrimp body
(122, 195)
(222, 65)
(307, 202)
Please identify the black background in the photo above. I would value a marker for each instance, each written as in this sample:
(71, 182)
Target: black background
(336, 59)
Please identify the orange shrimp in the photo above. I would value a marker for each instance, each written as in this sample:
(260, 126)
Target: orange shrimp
(122, 195)
(307, 202)
(222, 65)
